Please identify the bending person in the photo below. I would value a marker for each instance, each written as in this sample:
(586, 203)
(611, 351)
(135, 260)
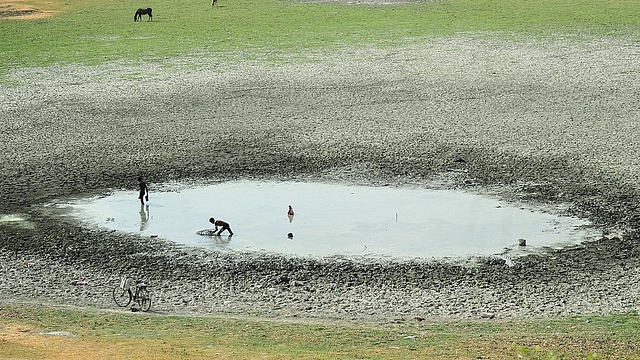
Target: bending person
(223, 224)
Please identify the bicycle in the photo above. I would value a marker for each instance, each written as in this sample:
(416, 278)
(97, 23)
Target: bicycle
(123, 296)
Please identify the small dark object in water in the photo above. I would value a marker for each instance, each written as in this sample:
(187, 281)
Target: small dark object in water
(290, 235)
(140, 12)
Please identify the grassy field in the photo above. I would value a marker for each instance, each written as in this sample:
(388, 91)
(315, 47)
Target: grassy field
(92, 32)
(29, 332)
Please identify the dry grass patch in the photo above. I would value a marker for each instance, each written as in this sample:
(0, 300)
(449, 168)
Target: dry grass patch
(23, 342)
(28, 9)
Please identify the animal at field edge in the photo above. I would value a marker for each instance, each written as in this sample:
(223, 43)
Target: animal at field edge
(140, 12)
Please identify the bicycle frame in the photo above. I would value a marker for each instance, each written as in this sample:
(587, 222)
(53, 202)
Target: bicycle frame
(123, 295)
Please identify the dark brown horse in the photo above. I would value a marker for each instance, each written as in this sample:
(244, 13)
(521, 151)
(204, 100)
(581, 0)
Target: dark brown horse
(140, 12)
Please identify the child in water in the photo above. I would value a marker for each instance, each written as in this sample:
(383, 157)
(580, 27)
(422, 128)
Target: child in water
(144, 191)
(221, 223)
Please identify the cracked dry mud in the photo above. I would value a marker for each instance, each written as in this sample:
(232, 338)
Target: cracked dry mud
(551, 123)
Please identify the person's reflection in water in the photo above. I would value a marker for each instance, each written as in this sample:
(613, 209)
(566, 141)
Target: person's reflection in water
(144, 216)
(290, 214)
(221, 240)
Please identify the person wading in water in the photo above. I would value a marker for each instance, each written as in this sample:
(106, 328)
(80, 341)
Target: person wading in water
(223, 224)
(144, 191)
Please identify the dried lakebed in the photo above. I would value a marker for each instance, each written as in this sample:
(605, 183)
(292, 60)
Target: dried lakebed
(542, 122)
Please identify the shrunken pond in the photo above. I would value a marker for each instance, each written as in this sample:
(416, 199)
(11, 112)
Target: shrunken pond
(331, 219)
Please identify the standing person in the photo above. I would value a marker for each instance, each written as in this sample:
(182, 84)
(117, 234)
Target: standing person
(221, 223)
(144, 191)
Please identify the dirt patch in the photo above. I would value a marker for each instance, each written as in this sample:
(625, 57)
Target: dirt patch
(25, 342)
(366, 2)
(34, 10)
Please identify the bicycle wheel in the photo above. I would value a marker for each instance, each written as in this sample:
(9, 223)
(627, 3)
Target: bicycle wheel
(121, 296)
(144, 299)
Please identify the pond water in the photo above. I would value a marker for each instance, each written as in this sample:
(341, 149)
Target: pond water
(331, 219)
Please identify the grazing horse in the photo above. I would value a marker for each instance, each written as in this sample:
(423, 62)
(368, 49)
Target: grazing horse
(140, 12)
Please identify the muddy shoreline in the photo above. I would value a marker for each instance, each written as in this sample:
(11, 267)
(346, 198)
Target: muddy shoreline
(540, 122)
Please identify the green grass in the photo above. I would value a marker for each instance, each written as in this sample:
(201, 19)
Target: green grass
(175, 337)
(93, 32)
